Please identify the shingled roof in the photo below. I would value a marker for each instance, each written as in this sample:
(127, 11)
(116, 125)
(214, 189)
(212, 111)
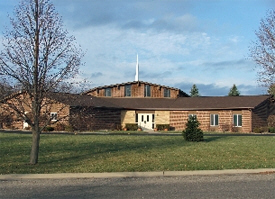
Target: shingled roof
(181, 103)
(190, 103)
(81, 100)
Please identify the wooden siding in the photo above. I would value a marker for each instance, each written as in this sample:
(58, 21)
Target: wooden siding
(137, 90)
(260, 115)
(87, 118)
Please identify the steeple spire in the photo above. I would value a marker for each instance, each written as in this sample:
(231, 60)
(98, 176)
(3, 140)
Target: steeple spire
(137, 71)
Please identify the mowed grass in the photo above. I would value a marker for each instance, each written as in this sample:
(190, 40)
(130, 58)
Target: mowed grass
(106, 153)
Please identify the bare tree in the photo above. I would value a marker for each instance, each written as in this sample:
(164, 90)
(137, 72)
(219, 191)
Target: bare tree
(39, 56)
(263, 50)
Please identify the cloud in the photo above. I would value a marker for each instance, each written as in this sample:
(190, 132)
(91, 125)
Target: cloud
(239, 64)
(96, 75)
(169, 23)
(127, 14)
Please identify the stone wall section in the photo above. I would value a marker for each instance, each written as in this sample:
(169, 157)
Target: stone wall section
(162, 117)
(128, 117)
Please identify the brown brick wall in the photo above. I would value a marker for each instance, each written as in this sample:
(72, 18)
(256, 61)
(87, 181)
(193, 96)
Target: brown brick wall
(178, 120)
(15, 121)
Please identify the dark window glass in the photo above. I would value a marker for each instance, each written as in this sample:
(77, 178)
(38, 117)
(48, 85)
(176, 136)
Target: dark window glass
(127, 90)
(237, 119)
(214, 119)
(147, 91)
(136, 117)
(108, 92)
(166, 92)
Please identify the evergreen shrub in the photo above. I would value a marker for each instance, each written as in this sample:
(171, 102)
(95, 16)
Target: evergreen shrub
(192, 132)
(49, 128)
(131, 127)
(161, 127)
(271, 130)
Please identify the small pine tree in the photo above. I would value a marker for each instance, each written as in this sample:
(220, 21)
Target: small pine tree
(194, 91)
(192, 132)
(234, 91)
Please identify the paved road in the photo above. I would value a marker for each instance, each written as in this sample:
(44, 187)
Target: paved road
(212, 186)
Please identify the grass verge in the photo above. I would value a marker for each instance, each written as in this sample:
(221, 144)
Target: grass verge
(105, 153)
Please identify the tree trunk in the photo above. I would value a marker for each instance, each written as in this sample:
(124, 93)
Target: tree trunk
(36, 105)
(35, 146)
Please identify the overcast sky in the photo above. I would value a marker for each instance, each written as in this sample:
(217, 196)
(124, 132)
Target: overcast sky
(179, 42)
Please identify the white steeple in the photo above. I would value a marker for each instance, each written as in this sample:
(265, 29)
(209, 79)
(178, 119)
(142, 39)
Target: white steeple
(137, 70)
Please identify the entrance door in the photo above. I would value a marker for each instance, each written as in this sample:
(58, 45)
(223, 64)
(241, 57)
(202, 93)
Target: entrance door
(146, 120)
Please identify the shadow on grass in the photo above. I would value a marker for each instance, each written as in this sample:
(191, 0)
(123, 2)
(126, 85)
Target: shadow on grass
(81, 148)
(70, 151)
(104, 146)
(212, 138)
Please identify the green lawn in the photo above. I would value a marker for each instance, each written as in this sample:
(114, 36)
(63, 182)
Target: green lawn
(101, 153)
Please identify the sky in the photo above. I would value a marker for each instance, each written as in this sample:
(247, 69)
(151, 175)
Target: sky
(179, 42)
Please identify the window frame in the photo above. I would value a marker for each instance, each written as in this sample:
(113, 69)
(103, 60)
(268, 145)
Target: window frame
(166, 92)
(108, 92)
(147, 90)
(239, 119)
(214, 119)
(128, 90)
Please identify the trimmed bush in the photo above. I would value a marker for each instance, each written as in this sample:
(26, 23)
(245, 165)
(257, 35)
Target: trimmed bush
(60, 127)
(49, 128)
(161, 127)
(131, 127)
(192, 132)
(271, 130)
(69, 128)
(260, 129)
(271, 120)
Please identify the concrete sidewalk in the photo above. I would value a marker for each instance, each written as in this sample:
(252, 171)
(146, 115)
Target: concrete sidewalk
(135, 174)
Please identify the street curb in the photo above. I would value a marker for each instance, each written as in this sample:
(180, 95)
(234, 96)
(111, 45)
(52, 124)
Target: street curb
(135, 174)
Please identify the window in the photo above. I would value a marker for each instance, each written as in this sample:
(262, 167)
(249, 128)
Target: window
(136, 118)
(108, 92)
(237, 119)
(53, 116)
(127, 90)
(214, 120)
(166, 92)
(147, 91)
(153, 121)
